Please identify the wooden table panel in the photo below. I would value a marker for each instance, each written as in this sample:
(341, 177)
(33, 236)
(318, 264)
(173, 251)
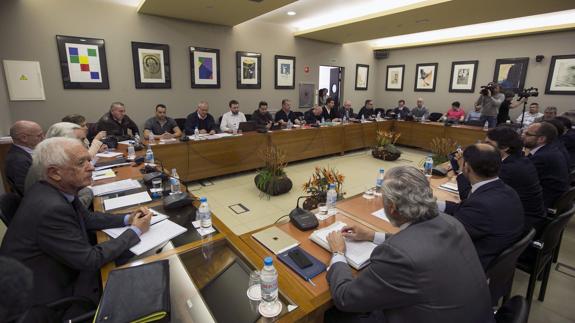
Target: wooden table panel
(354, 136)
(406, 129)
(299, 144)
(332, 140)
(172, 155)
(465, 135)
(423, 133)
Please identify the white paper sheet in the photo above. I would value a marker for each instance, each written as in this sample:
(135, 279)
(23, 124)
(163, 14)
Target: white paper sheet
(115, 187)
(109, 154)
(111, 166)
(450, 187)
(116, 232)
(103, 174)
(380, 214)
(159, 233)
(128, 200)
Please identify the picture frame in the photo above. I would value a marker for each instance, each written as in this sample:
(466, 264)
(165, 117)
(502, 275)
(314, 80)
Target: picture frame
(284, 67)
(248, 70)
(463, 76)
(205, 67)
(361, 77)
(151, 65)
(24, 80)
(561, 77)
(425, 77)
(510, 73)
(82, 62)
(394, 78)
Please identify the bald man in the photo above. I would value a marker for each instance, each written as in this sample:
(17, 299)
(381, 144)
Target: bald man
(25, 136)
(347, 111)
(420, 111)
(201, 120)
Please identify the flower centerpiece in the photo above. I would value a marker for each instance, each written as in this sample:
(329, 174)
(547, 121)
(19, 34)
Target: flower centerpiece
(385, 145)
(272, 180)
(441, 148)
(318, 185)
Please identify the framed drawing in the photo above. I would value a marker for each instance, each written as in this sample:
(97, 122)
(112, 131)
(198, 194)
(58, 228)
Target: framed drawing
(561, 78)
(361, 76)
(83, 62)
(24, 80)
(394, 80)
(205, 65)
(151, 65)
(284, 72)
(463, 76)
(248, 70)
(306, 95)
(425, 77)
(510, 73)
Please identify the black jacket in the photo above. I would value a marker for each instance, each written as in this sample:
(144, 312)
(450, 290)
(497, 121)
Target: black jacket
(349, 114)
(193, 120)
(281, 115)
(428, 272)
(115, 128)
(367, 113)
(568, 140)
(552, 172)
(52, 240)
(311, 118)
(493, 217)
(403, 112)
(17, 164)
(261, 119)
(332, 114)
(519, 173)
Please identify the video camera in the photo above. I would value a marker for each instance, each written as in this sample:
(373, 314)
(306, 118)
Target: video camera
(485, 89)
(525, 93)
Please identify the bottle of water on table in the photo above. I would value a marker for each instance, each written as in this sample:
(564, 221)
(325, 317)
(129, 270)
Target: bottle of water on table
(174, 182)
(269, 284)
(379, 181)
(428, 166)
(149, 159)
(331, 198)
(204, 214)
(131, 151)
(196, 134)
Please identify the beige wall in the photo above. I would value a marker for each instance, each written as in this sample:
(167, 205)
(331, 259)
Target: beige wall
(486, 52)
(29, 28)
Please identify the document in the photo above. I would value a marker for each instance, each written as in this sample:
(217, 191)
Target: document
(109, 154)
(103, 174)
(111, 166)
(128, 200)
(125, 142)
(219, 135)
(450, 187)
(115, 187)
(116, 232)
(357, 253)
(158, 234)
(380, 214)
(275, 239)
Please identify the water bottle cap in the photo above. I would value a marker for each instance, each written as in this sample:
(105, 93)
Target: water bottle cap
(203, 199)
(381, 170)
(331, 186)
(268, 261)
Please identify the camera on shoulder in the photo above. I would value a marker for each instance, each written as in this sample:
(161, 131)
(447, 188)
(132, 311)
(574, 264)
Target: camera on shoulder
(528, 92)
(485, 89)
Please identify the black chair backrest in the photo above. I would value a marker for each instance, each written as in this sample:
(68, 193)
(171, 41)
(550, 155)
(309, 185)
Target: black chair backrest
(501, 269)
(435, 116)
(181, 122)
(220, 120)
(514, 310)
(565, 202)
(298, 114)
(551, 234)
(9, 203)
(248, 117)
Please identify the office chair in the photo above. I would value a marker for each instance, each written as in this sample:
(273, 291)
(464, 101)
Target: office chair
(53, 311)
(515, 310)
(248, 117)
(501, 270)
(9, 203)
(538, 257)
(435, 116)
(563, 204)
(181, 122)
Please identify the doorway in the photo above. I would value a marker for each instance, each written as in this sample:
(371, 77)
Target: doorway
(331, 78)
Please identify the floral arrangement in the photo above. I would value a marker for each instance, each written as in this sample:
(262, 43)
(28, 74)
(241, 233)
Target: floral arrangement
(271, 180)
(385, 138)
(385, 145)
(318, 184)
(441, 148)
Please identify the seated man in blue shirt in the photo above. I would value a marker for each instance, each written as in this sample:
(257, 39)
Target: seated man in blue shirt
(162, 125)
(201, 120)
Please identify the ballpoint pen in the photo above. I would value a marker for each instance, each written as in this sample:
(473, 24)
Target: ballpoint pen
(311, 282)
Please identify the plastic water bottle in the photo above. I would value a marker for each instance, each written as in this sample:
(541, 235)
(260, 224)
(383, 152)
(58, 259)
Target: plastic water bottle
(269, 283)
(398, 115)
(379, 180)
(204, 214)
(322, 120)
(331, 198)
(344, 119)
(137, 139)
(363, 118)
(174, 182)
(196, 134)
(149, 159)
(486, 125)
(378, 116)
(428, 165)
(131, 151)
(289, 124)
(423, 118)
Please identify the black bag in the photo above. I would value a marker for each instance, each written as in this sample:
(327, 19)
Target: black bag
(137, 294)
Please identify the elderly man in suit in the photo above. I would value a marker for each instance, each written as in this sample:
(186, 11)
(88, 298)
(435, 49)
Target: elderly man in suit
(53, 240)
(492, 213)
(548, 160)
(410, 277)
(25, 136)
(346, 111)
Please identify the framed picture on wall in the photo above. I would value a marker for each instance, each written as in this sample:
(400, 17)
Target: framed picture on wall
(248, 70)
(83, 62)
(561, 78)
(394, 81)
(425, 77)
(151, 65)
(361, 76)
(463, 75)
(510, 73)
(205, 65)
(284, 72)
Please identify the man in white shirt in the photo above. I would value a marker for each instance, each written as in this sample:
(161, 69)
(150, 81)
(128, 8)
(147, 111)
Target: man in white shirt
(231, 119)
(530, 116)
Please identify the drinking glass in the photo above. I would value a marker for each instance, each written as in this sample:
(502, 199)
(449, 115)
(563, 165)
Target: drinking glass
(254, 288)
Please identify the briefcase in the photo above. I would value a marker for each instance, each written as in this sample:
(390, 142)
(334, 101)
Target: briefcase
(136, 294)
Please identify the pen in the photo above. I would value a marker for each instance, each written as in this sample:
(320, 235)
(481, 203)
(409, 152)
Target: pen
(311, 282)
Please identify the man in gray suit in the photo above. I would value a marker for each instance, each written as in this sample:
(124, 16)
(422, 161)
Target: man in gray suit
(427, 272)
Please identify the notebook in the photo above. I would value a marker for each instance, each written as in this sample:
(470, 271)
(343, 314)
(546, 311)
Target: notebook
(275, 240)
(450, 187)
(357, 252)
(306, 273)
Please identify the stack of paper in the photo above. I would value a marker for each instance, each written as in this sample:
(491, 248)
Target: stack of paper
(450, 187)
(109, 154)
(380, 214)
(158, 234)
(219, 135)
(103, 174)
(357, 253)
(115, 187)
(116, 232)
(127, 200)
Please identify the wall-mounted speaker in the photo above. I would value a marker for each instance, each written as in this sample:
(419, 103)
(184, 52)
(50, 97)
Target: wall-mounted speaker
(381, 53)
(539, 58)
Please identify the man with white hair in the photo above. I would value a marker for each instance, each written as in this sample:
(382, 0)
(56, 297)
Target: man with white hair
(347, 111)
(49, 232)
(116, 123)
(420, 111)
(25, 136)
(410, 277)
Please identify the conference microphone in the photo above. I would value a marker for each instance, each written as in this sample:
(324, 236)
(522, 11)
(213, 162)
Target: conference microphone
(303, 219)
(179, 199)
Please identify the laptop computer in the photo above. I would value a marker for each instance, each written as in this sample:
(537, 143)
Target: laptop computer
(247, 126)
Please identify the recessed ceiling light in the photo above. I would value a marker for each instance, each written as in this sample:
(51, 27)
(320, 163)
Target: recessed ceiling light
(291, 13)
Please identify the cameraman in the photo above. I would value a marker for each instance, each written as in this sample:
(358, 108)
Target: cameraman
(508, 103)
(490, 101)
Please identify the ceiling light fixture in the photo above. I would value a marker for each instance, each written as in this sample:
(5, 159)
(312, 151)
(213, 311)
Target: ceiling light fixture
(544, 22)
(291, 13)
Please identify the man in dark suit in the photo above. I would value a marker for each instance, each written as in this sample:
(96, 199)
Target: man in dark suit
(285, 114)
(401, 110)
(116, 123)
(313, 115)
(426, 272)
(49, 232)
(347, 111)
(516, 171)
(492, 214)
(548, 160)
(329, 111)
(201, 120)
(262, 118)
(367, 111)
(568, 139)
(25, 136)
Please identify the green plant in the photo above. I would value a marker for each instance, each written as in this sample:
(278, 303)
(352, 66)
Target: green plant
(441, 148)
(320, 180)
(386, 138)
(273, 171)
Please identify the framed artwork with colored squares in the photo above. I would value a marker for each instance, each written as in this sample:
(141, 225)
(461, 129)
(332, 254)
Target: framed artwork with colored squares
(83, 62)
(151, 65)
(205, 64)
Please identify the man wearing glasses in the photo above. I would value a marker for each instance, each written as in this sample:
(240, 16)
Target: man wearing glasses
(25, 136)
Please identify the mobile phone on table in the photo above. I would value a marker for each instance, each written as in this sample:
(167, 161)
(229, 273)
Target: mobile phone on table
(300, 259)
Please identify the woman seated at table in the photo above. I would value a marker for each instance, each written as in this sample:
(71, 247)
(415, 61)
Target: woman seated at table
(455, 114)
